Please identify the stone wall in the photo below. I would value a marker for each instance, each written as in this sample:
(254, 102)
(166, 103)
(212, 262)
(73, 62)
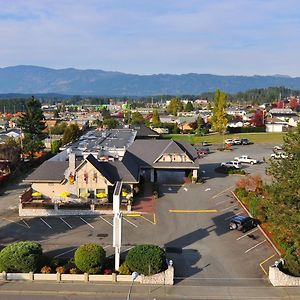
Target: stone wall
(278, 278)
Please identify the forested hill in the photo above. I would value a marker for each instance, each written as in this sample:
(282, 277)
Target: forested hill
(33, 80)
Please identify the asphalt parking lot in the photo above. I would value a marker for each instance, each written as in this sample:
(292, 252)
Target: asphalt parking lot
(191, 223)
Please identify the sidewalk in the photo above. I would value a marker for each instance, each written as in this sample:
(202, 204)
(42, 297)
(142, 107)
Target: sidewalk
(179, 291)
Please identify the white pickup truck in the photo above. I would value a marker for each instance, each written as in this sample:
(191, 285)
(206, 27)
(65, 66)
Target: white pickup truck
(246, 159)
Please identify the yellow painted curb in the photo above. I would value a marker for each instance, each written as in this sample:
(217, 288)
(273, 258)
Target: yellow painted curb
(192, 210)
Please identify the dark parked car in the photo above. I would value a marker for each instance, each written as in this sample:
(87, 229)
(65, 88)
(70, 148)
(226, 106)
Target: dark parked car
(242, 223)
(245, 142)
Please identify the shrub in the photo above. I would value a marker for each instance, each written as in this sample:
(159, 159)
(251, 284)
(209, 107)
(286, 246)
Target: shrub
(146, 259)
(74, 271)
(21, 257)
(291, 264)
(60, 270)
(124, 269)
(89, 258)
(46, 270)
(107, 271)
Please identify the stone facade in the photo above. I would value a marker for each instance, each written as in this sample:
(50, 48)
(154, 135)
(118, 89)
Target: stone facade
(278, 278)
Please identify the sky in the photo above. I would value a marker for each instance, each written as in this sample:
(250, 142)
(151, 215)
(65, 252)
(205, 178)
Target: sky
(224, 37)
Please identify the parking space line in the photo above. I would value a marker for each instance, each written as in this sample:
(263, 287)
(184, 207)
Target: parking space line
(12, 221)
(107, 246)
(46, 223)
(229, 207)
(222, 192)
(192, 210)
(255, 246)
(133, 215)
(246, 234)
(218, 203)
(25, 223)
(148, 220)
(61, 254)
(106, 221)
(86, 222)
(130, 222)
(261, 264)
(66, 223)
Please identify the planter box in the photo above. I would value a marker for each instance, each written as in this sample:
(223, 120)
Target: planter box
(100, 278)
(127, 278)
(72, 277)
(46, 277)
(18, 276)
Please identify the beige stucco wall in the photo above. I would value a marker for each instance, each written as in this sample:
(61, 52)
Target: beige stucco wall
(50, 190)
(94, 181)
(174, 158)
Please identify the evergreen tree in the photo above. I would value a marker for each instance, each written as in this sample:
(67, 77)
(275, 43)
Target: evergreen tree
(189, 106)
(219, 120)
(155, 118)
(33, 125)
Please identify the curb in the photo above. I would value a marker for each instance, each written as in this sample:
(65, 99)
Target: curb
(262, 231)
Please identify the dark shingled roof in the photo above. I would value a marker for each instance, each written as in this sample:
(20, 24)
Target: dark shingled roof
(143, 131)
(49, 171)
(145, 152)
(115, 170)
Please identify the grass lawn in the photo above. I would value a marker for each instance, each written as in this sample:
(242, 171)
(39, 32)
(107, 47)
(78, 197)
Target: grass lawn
(261, 137)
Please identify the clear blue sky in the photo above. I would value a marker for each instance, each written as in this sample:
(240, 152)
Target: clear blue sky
(230, 37)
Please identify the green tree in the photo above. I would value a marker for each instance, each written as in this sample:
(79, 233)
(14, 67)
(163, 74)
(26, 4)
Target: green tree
(55, 145)
(174, 106)
(98, 123)
(90, 258)
(189, 106)
(146, 259)
(137, 118)
(56, 114)
(32, 122)
(21, 257)
(110, 123)
(219, 120)
(155, 118)
(71, 134)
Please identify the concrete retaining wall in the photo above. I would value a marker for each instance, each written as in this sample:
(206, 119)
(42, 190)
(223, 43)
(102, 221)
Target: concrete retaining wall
(163, 278)
(278, 278)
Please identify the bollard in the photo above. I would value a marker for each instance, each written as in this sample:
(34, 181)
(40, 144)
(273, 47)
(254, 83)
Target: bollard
(86, 277)
(4, 275)
(31, 276)
(58, 277)
(114, 277)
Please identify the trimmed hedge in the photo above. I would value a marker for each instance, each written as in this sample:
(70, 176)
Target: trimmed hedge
(21, 257)
(89, 258)
(229, 170)
(146, 259)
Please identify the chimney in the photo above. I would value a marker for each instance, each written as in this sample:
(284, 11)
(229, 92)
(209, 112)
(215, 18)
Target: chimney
(72, 161)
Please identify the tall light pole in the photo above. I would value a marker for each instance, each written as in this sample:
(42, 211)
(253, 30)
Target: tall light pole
(134, 276)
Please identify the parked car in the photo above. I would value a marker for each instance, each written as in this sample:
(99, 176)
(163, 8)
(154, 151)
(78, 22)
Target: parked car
(202, 151)
(277, 148)
(237, 141)
(245, 141)
(242, 223)
(229, 142)
(278, 155)
(230, 164)
(246, 159)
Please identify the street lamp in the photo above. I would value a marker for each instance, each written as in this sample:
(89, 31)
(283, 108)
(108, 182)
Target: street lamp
(134, 276)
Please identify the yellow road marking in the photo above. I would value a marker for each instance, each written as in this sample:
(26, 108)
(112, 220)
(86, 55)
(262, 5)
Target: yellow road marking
(148, 220)
(133, 215)
(261, 264)
(154, 219)
(219, 194)
(192, 210)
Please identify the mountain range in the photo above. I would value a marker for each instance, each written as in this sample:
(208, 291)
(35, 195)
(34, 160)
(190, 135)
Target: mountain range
(36, 80)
